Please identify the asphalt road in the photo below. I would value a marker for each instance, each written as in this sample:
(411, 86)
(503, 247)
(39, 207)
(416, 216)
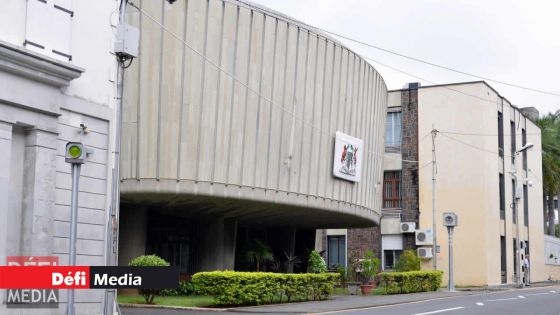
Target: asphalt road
(532, 301)
(544, 301)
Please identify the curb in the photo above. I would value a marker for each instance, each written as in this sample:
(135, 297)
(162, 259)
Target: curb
(169, 307)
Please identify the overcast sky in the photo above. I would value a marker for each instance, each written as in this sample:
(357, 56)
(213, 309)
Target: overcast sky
(512, 41)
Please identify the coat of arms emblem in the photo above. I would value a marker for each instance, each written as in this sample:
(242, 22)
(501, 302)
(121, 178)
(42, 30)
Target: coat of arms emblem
(349, 159)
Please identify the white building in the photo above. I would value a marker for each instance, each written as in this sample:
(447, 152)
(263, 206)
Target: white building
(57, 84)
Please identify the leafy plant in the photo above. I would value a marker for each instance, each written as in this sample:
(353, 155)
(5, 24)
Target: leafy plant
(145, 261)
(316, 263)
(287, 265)
(370, 266)
(243, 288)
(408, 261)
(410, 281)
(185, 288)
(342, 272)
(259, 254)
(550, 139)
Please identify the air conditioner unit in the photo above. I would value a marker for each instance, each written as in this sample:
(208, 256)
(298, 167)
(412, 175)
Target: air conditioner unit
(408, 227)
(424, 252)
(424, 237)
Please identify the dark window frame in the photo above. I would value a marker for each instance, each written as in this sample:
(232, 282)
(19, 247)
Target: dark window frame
(524, 142)
(513, 141)
(502, 196)
(391, 189)
(525, 205)
(340, 239)
(500, 134)
(513, 210)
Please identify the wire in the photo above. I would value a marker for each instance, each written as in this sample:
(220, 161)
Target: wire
(485, 134)
(436, 65)
(248, 87)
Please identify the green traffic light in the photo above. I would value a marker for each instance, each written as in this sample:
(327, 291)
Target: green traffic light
(74, 151)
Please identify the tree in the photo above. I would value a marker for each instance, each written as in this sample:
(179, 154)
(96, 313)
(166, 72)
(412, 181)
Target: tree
(259, 254)
(550, 137)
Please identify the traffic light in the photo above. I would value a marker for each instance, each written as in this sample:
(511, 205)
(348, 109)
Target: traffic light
(75, 153)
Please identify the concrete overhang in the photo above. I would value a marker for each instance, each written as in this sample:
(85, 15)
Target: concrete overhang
(250, 205)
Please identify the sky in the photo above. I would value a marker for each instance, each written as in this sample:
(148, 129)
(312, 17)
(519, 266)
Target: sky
(515, 41)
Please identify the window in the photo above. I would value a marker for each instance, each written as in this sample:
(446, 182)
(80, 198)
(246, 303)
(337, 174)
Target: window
(392, 189)
(393, 134)
(502, 197)
(524, 142)
(525, 205)
(390, 258)
(336, 251)
(501, 134)
(49, 28)
(556, 204)
(513, 210)
(503, 261)
(513, 142)
(514, 260)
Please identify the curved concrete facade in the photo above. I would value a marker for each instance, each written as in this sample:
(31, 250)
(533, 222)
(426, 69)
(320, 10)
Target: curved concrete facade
(194, 135)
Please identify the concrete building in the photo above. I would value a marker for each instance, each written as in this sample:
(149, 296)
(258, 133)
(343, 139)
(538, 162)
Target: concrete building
(478, 133)
(56, 85)
(230, 119)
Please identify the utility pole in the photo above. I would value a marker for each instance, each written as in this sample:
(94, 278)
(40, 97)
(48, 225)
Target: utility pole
(126, 49)
(516, 198)
(434, 171)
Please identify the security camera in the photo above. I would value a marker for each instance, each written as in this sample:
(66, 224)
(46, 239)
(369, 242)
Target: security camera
(85, 128)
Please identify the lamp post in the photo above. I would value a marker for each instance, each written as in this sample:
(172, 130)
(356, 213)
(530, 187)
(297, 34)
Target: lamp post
(516, 197)
(76, 156)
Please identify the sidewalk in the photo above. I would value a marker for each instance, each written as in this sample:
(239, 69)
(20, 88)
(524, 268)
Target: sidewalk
(345, 302)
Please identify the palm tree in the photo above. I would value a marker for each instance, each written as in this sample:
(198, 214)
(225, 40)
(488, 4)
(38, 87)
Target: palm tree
(550, 128)
(259, 254)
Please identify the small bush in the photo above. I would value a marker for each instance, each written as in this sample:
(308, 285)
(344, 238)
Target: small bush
(185, 288)
(316, 263)
(146, 261)
(408, 261)
(410, 281)
(244, 288)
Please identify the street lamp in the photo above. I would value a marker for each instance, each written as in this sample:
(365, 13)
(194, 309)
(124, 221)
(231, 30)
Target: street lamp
(516, 197)
(76, 156)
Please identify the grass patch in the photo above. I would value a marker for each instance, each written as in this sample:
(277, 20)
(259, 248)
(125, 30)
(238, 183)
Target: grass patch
(185, 301)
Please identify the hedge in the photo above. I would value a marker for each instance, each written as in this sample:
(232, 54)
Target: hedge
(410, 281)
(243, 288)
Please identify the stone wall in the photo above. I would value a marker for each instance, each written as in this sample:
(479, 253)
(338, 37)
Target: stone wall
(409, 179)
(361, 240)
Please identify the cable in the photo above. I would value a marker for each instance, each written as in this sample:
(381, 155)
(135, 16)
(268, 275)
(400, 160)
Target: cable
(485, 134)
(437, 65)
(248, 87)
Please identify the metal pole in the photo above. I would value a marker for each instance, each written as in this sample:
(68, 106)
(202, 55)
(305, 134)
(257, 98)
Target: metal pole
(434, 228)
(70, 308)
(451, 284)
(517, 242)
(113, 223)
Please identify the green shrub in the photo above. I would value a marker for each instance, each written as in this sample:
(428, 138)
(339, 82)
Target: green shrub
(185, 288)
(146, 261)
(408, 261)
(316, 263)
(410, 281)
(243, 288)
